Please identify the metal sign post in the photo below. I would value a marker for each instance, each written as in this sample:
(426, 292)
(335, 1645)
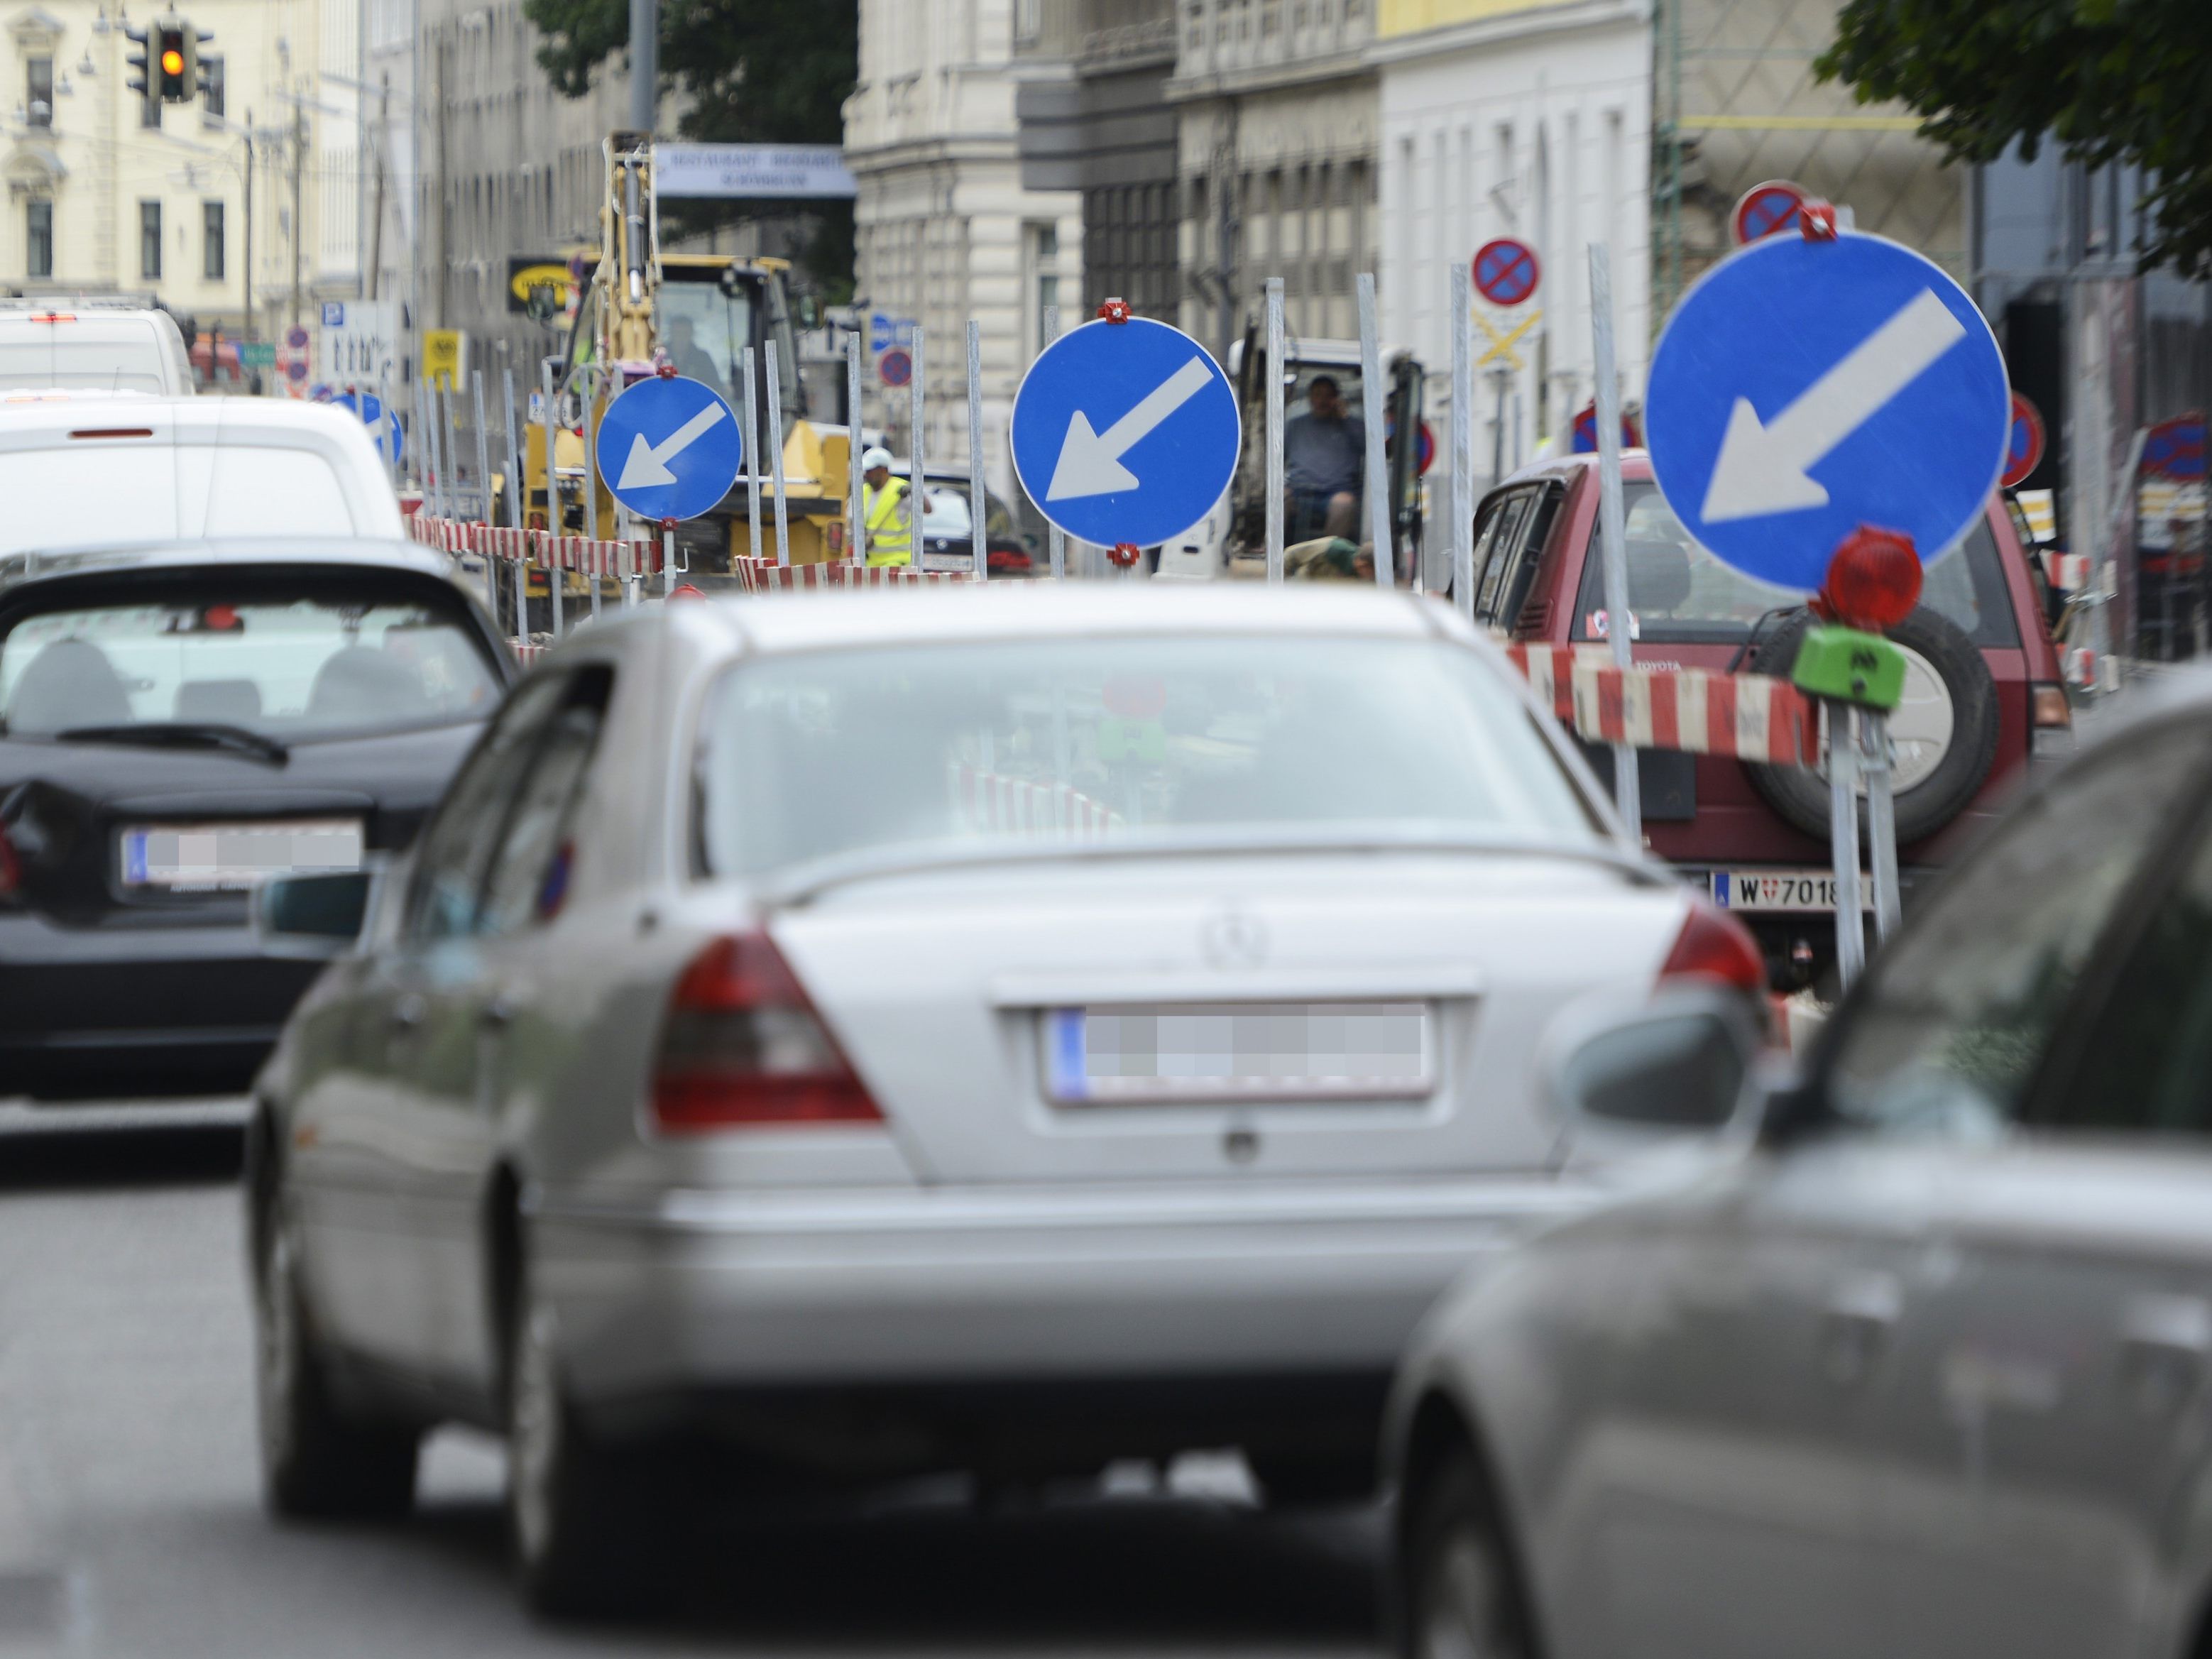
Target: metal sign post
(1370, 398)
(856, 534)
(1620, 625)
(1276, 483)
(1463, 439)
(1881, 819)
(752, 455)
(916, 503)
(978, 537)
(483, 446)
(514, 517)
(387, 425)
(591, 485)
(1843, 841)
(552, 511)
(1055, 537)
(449, 445)
(422, 446)
(775, 457)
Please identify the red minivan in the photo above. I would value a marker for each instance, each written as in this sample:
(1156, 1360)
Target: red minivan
(1982, 694)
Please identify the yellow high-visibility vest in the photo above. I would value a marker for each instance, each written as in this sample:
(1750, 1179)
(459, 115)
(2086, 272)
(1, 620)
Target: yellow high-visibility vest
(891, 536)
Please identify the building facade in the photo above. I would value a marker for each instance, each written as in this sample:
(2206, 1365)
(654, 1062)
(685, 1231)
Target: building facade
(240, 209)
(1520, 119)
(946, 230)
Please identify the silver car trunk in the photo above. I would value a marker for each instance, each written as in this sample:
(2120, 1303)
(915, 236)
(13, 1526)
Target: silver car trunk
(941, 988)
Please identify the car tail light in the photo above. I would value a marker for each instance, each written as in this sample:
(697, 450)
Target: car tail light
(742, 1047)
(53, 316)
(11, 870)
(1714, 944)
(2048, 705)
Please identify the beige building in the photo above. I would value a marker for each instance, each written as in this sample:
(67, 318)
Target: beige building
(102, 200)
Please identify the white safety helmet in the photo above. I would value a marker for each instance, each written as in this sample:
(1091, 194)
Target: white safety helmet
(876, 456)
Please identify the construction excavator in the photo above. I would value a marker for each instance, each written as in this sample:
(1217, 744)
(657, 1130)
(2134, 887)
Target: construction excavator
(697, 312)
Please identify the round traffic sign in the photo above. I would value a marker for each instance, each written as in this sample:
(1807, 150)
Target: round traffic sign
(1425, 446)
(669, 447)
(1506, 271)
(2024, 447)
(1124, 432)
(296, 370)
(895, 367)
(296, 337)
(1585, 436)
(1765, 210)
(374, 414)
(1802, 389)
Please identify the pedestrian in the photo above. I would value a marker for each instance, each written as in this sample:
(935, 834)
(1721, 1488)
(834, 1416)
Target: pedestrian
(1324, 453)
(883, 505)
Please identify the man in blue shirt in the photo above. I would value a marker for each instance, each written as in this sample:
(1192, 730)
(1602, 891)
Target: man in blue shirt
(1324, 453)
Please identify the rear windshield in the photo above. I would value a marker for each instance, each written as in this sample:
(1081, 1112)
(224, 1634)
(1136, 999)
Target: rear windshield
(290, 664)
(70, 496)
(49, 357)
(1678, 591)
(842, 751)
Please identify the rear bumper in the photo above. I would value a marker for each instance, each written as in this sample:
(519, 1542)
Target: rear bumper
(110, 1012)
(1291, 1302)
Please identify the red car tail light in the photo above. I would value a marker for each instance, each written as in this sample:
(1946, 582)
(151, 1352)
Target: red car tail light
(742, 1047)
(2049, 706)
(1713, 944)
(11, 870)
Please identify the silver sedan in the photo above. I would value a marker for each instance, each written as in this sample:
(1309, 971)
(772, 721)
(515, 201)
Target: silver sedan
(873, 1034)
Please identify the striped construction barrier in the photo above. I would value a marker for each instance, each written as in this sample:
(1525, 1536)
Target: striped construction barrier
(764, 575)
(1751, 717)
(994, 801)
(582, 554)
(2068, 572)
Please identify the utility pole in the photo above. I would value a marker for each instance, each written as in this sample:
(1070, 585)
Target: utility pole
(249, 225)
(299, 155)
(376, 220)
(644, 65)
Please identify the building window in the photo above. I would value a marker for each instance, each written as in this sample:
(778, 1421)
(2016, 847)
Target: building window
(149, 239)
(39, 100)
(1044, 275)
(39, 237)
(212, 78)
(1028, 19)
(211, 231)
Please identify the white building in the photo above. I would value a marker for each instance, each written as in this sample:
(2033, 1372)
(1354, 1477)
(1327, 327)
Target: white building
(1526, 118)
(944, 230)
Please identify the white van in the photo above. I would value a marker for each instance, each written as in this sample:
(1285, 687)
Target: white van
(82, 468)
(92, 348)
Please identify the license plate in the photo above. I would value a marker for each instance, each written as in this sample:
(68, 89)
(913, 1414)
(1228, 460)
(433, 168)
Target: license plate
(212, 858)
(1245, 1051)
(1781, 890)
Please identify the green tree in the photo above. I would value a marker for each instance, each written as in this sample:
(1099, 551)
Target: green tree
(754, 71)
(2127, 81)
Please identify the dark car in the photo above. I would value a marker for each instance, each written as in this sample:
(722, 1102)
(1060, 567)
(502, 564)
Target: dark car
(948, 539)
(178, 722)
(1983, 692)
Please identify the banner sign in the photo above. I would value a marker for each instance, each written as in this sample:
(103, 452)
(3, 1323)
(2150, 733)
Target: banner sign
(753, 172)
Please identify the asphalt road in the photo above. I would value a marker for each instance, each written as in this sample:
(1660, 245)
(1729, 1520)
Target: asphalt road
(129, 1522)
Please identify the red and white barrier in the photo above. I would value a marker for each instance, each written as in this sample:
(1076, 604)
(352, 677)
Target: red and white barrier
(1752, 717)
(2068, 572)
(991, 801)
(542, 548)
(763, 575)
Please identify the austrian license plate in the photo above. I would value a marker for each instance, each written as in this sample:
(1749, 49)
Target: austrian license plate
(213, 858)
(1781, 890)
(1247, 1051)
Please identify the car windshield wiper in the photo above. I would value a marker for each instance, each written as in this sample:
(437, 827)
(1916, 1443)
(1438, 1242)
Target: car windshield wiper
(182, 734)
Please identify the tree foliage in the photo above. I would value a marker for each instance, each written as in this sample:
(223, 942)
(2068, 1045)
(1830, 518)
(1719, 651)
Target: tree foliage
(754, 71)
(2127, 81)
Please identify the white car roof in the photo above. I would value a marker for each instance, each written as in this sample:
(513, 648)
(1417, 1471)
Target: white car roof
(1020, 611)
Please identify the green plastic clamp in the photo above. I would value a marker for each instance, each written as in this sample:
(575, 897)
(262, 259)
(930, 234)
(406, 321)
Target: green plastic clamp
(1847, 666)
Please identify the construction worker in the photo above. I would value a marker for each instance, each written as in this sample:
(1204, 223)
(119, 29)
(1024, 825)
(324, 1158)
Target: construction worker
(884, 505)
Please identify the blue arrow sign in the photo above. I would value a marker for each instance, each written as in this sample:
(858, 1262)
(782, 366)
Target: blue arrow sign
(1802, 389)
(1124, 432)
(669, 448)
(370, 408)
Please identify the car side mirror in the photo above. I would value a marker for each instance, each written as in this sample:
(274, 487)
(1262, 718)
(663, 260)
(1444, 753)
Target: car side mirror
(313, 918)
(1682, 1062)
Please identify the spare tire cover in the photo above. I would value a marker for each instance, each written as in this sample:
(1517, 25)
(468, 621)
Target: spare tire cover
(1944, 733)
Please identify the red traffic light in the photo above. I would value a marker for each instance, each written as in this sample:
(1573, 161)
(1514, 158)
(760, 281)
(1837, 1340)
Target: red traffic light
(1874, 580)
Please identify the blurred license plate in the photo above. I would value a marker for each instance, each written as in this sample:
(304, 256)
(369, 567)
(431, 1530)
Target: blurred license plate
(1132, 1055)
(224, 857)
(1781, 890)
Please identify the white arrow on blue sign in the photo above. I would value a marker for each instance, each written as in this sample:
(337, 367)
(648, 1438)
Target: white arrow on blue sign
(374, 414)
(669, 448)
(1804, 388)
(1124, 432)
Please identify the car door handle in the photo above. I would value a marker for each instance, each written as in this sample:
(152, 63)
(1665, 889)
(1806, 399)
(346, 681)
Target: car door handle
(408, 1011)
(2165, 1342)
(1856, 1323)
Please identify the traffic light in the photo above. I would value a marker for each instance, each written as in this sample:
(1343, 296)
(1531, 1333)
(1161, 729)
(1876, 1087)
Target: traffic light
(145, 78)
(178, 50)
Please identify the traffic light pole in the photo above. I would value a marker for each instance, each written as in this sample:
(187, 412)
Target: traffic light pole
(644, 65)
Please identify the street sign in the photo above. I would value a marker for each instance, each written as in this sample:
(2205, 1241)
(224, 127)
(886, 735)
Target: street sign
(2024, 448)
(884, 332)
(257, 354)
(896, 368)
(1505, 271)
(1585, 434)
(805, 172)
(296, 370)
(669, 448)
(1424, 446)
(296, 337)
(383, 431)
(1804, 388)
(444, 353)
(1124, 432)
(1765, 210)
